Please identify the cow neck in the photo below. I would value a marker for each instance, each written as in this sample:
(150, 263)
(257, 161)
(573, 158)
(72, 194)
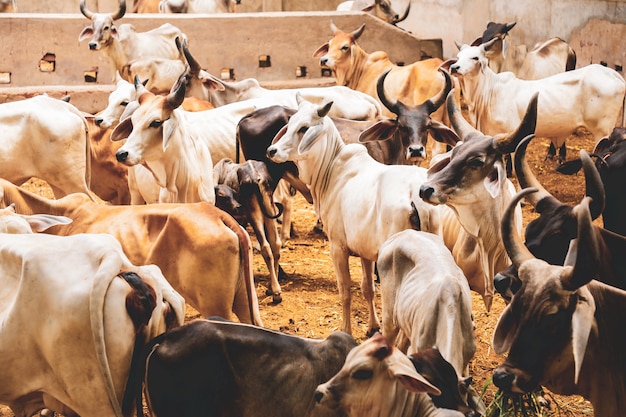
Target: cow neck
(352, 77)
(116, 53)
(477, 91)
(318, 175)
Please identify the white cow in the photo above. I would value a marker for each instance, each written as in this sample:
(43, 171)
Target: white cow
(348, 103)
(590, 97)
(123, 45)
(71, 351)
(45, 138)
(471, 180)
(379, 380)
(382, 9)
(426, 298)
(360, 201)
(159, 137)
(198, 6)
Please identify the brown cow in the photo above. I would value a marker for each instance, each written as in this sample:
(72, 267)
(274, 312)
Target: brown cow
(563, 329)
(204, 253)
(252, 184)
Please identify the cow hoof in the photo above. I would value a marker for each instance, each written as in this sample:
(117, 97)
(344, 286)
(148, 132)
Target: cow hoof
(277, 298)
(372, 332)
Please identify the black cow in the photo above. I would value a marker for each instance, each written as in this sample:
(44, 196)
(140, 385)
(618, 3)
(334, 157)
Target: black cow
(217, 368)
(548, 237)
(611, 163)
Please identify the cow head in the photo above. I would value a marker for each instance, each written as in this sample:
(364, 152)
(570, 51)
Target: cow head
(226, 199)
(255, 181)
(102, 29)
(383, 10)
(548, 236)
(546, 326)
(302, 131)
(119, 99)
(149, 129)
(368, 382)
(337, 53)
(454, 391)
(471, 60)
(413, 123)
(473, 170)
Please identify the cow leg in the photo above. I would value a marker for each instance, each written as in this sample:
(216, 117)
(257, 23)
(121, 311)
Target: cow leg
(562, 154)
(342, 269)
(367, 286)
(258, 225)
(551, 152)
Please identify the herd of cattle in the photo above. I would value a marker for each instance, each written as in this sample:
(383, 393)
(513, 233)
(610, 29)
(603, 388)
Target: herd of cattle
(151, 203)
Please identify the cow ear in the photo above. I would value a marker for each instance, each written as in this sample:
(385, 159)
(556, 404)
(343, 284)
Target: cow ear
(85, 34)
(42, 222)
(477, 41)
(368, 8)
(310, 137)
(402, 368)
(442, 161)
(114, 32)
(211, 82)
(280, 134)
(169, 127)
(122, 130)
(582, 321)
(493, 182)
(448, 63)
(505, 330)
(322, 50)
(380, 131)
(602, 146)
(443, 133)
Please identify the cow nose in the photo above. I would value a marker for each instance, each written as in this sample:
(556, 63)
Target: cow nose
(318, 396)
(323, 61)
(98, 121)
(454, 69)
(93, 46)
(121, 156)
(271, 152)
(502, 283)
(503, 379)
(426, 191)
(416, 150)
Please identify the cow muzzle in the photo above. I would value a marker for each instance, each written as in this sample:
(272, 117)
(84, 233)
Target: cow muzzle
(429, 195)
(93, 46)
(509, 380)
(121, 156)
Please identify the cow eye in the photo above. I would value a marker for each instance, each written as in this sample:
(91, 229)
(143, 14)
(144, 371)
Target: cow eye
(475, 58)
(476, 163)
(363, 374)
(303, 130)
(124, 103)
(156, 123)
(106, 28)
(344, 48)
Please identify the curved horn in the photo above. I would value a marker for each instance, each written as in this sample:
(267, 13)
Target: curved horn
(585, 249)
(177, 94)
(194, 66)
(593, 185)
(438, 99)
(392, 105)
(358, 32)
(120, 11)
(84, 10)
(404, 16)
(458, 122)
(506, 143)
(333, 28)
(515, 248)
(525, 175)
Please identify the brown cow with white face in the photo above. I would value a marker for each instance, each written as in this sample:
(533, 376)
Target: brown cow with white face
(382, 9)
(562, 328)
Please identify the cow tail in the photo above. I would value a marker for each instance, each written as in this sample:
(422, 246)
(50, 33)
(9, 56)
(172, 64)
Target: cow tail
(102, 281)
(140, 305)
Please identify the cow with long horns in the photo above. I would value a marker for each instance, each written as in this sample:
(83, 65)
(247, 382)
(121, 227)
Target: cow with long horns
(563, 329)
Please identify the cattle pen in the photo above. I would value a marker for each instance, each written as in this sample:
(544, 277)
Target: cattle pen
(274, 43)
